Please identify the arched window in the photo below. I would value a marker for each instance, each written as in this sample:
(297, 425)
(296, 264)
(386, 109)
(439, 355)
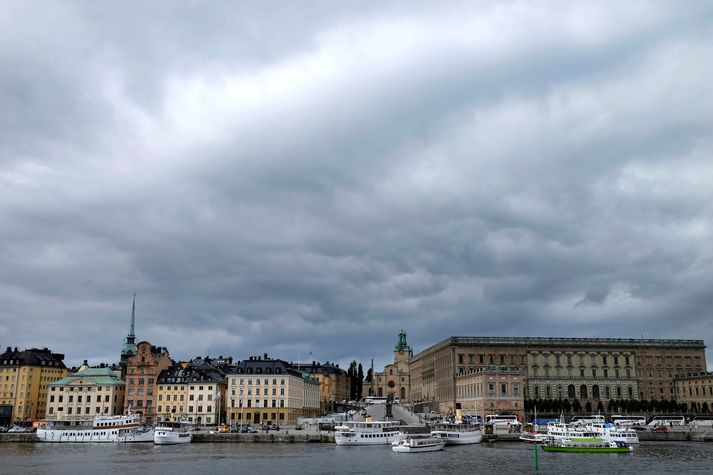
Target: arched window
(403, 393)
(583, 392)
(631, 393)
(548, 392)
(570, 392)
(595, 391)
(537, 392)
(618, 392)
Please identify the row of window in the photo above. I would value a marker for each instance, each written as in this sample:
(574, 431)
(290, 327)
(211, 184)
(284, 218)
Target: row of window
(266, 381)
(249, 403)
(81, 388)
(583, 392)
(179, 409)
(191, 397)
(87, 399)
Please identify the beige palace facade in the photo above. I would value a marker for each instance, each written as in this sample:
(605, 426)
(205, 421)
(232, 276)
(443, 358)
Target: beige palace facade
(589, 369)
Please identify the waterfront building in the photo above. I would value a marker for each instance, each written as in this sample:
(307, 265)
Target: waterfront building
(334, 383)
(142, 370)
(492, 389)
(86, 393)
(591, 370)
(24, 377)
(395, 380)
(193, 391)
(262, 389)
(695, 390)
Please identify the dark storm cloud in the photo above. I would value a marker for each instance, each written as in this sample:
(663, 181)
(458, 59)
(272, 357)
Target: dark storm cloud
(315, 178)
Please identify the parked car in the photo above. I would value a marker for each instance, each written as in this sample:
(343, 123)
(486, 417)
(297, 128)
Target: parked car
(298, 427)
(270, 426)
(3, 429)
(17, 429)
(253, 429)
(660, 429)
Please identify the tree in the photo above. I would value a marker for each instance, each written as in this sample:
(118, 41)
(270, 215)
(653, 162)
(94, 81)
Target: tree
(600, 407)
(611, 406)
(576, 406)
(704, 408)
(588, 407)
(566, 405)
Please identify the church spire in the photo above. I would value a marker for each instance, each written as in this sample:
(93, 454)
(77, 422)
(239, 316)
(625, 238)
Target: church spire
(133, 316)
(130, 341)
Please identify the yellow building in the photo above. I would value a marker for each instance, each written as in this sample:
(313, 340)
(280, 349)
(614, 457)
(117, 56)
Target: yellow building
(695, 390)
(491, 390)
(262, 389)
(194, 391)
(88, 393)
(24, 377)
(334, 384)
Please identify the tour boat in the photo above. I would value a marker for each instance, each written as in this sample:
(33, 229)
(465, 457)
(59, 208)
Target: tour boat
(128, 428)
(609, 432)
(587, 445)
(458, 434)
(367, 433)
(171, 433)
(418, 443)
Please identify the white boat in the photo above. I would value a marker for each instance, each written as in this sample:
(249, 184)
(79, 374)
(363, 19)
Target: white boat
(557, 431)
(367, 433)
(101, 429)
(458, 434)
(534, 437)
(610, 433)
(504, 422)
(418, 443)
(172, 433)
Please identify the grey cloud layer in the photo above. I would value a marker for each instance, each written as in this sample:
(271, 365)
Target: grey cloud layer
(316, 178)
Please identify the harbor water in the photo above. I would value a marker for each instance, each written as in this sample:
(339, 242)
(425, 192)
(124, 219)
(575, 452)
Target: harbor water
(281, 458)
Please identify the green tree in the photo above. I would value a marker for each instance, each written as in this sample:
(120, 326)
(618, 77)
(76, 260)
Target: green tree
(576, 406)
(566, 405)
(588, 406)
(611, 406)
(600, 407)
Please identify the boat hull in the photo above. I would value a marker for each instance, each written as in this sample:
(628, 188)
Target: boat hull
(596, 450)
(172, 438)
(367, 438)
(407, 449)
(92, 436)
(458, 438)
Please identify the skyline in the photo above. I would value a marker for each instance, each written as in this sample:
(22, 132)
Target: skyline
(315, 178)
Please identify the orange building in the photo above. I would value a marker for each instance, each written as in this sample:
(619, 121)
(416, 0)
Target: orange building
(142, 370)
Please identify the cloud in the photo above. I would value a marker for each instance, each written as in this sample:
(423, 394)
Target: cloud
(314, 179)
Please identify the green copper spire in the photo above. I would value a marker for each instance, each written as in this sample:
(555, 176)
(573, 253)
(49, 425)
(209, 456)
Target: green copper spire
(130, 342)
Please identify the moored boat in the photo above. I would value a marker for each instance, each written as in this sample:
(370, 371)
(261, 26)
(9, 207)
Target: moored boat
(418, 443)
(101, 429)
(458, 434)
(367, 433)
(172, 433)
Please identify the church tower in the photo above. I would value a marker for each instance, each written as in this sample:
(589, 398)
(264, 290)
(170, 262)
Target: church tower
(402, 351)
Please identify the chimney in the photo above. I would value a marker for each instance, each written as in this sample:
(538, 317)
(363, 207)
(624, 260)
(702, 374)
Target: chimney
(265, 355)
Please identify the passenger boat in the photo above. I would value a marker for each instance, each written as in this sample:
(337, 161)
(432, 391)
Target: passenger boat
(128, 428)
(609, 432)
(367, 433)
(418, 443)
(586, 445)
(458, 434)
(171, 433)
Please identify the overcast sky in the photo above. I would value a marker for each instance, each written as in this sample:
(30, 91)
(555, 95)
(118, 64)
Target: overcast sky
(312, 177)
